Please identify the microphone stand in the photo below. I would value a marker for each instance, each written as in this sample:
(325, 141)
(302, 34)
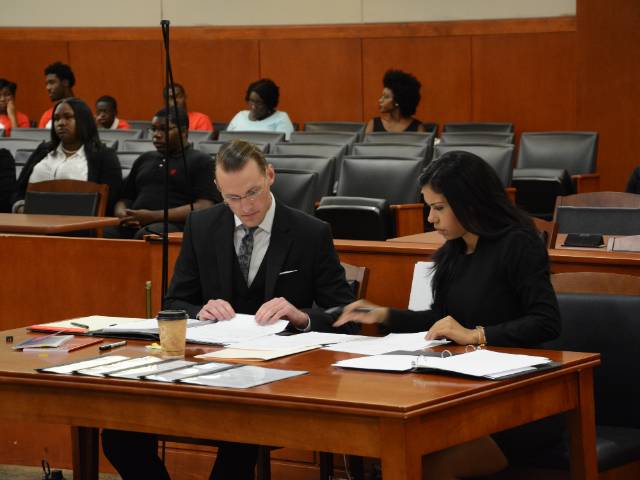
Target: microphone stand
(169, 87)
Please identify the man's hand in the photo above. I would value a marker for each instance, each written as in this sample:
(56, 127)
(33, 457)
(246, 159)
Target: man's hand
(448, 327)
(279, 308)
(216, 310)
(141, 216)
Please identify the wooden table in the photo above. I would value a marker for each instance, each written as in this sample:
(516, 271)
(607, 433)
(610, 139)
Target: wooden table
(49, 224)
(396, 417)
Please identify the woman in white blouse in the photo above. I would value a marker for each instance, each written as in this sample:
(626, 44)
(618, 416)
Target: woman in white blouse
(262, 98)
(75, 152)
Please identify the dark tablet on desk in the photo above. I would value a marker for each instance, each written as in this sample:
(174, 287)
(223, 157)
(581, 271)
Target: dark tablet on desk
(583, 240)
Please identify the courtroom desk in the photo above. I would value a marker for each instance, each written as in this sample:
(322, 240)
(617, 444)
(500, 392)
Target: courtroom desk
(52, 278)
(395, 417)
(50, 224)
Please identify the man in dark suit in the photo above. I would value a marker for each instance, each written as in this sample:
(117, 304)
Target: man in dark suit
(251, 255)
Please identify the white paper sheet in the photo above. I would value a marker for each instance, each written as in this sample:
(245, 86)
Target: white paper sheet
(308, 339)
(388, 363)
(240, 328)
(421, 296)
(389, 343)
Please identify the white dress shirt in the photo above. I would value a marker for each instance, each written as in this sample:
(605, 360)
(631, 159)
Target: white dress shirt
(57, 166)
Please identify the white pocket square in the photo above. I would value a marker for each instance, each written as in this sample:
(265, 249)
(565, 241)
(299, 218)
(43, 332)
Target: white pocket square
(287, 272)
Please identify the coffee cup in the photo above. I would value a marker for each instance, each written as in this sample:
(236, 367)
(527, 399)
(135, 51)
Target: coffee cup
(173, 332)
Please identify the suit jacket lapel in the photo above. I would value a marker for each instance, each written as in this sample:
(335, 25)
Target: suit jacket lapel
(223, 244)
(279, 245)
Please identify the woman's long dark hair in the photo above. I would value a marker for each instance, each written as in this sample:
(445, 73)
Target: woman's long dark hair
(86, 129)
(478, 199)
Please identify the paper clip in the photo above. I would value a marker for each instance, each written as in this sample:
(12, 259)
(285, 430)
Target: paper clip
(420, 362)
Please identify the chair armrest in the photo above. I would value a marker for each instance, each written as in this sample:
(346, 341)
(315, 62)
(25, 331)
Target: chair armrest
(587, 182)
(409, 218)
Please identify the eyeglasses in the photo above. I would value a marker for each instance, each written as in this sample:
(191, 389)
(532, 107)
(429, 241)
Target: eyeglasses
(250, 196)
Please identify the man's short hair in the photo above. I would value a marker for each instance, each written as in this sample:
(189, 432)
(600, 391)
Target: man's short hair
(233, 156)
(62, 71)
(4, 83)
(181, 118)
(177, 86)
(110, 100)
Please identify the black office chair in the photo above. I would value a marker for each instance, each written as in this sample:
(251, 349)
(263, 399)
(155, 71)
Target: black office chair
(476, 138)
(196, 136)
(357, 218)
(262, 138)
(137, 145)
(61, 203)
(598, 220)
(389, 149)
(406, 138)
(212, 147)
(39, 134)
(498, 127)
(15, 144)
(351, 127)
(22, 155)
(500, 157)
(143, 125)
(552, 164)
(335, 138)
(296, 188)
(7, 180)
(323, 166)
(110, 135)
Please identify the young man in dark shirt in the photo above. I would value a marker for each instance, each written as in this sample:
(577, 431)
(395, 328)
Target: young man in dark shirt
(59, 82)
(142, 198)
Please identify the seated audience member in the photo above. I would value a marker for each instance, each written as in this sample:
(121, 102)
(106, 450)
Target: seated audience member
(235, 256)
(74, 153)
(633, 184)
(140, 206)
(490, 286)
(7, 180)
(197, 120)
(107, 114)
(262, 98)
(59, 84)
(397, 104)
(10, 117)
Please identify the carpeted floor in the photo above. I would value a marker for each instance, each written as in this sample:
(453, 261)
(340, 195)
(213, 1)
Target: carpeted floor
(14, 472)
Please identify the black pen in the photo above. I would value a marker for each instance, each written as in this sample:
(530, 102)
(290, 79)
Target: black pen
(110, 346)
(363, 309)
(81, 325)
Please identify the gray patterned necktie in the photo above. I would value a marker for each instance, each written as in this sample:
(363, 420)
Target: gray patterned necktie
(244, 252)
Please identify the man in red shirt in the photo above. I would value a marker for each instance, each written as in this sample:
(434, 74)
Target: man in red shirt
(9, 115)
(197, 120)
(107, 114)
(59, 83)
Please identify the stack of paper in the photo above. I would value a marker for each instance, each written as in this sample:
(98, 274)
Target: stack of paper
(389, 343)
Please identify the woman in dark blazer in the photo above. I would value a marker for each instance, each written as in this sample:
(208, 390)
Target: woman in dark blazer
(75, 152)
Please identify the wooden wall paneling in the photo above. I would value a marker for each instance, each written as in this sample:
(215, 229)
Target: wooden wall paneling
(608, 79)
(442, 64)
(54, 278)
(24, 62)
(319, 79)
(216, 74)
(130, 71)
(529, 80)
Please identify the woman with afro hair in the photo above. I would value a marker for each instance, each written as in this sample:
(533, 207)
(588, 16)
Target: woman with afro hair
(397, 104)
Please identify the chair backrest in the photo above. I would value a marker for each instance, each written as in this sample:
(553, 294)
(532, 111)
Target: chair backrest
(431, 127)
(316, 149)
(391, 149)
(196, 136)
(252, 137)
(575, 152)
(22, 155)
(357, 218)
(67, 197)
(212, 147)
(143, 125)
(40, 134)
(358, 278)
(595, 319)
(336, 138)
(598, 220)
(323, 166)
(127, 160)
(108, 134)
(498, 127)
(14, 144)
(548, 231)
(351, 127)
(220, 126)
(476, 138)
(405, 138)
(137, 145)
(392, 179)
(500, 157)
(296, 188)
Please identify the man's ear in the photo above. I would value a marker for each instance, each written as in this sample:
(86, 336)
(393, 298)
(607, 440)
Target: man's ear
(271, 174)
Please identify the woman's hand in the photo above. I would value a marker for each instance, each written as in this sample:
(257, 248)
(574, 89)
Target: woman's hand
(362, 311)
(448, 327)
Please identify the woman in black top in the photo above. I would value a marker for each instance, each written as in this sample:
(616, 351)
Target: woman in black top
(490, 284)
(397, 104)
(74, 140)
